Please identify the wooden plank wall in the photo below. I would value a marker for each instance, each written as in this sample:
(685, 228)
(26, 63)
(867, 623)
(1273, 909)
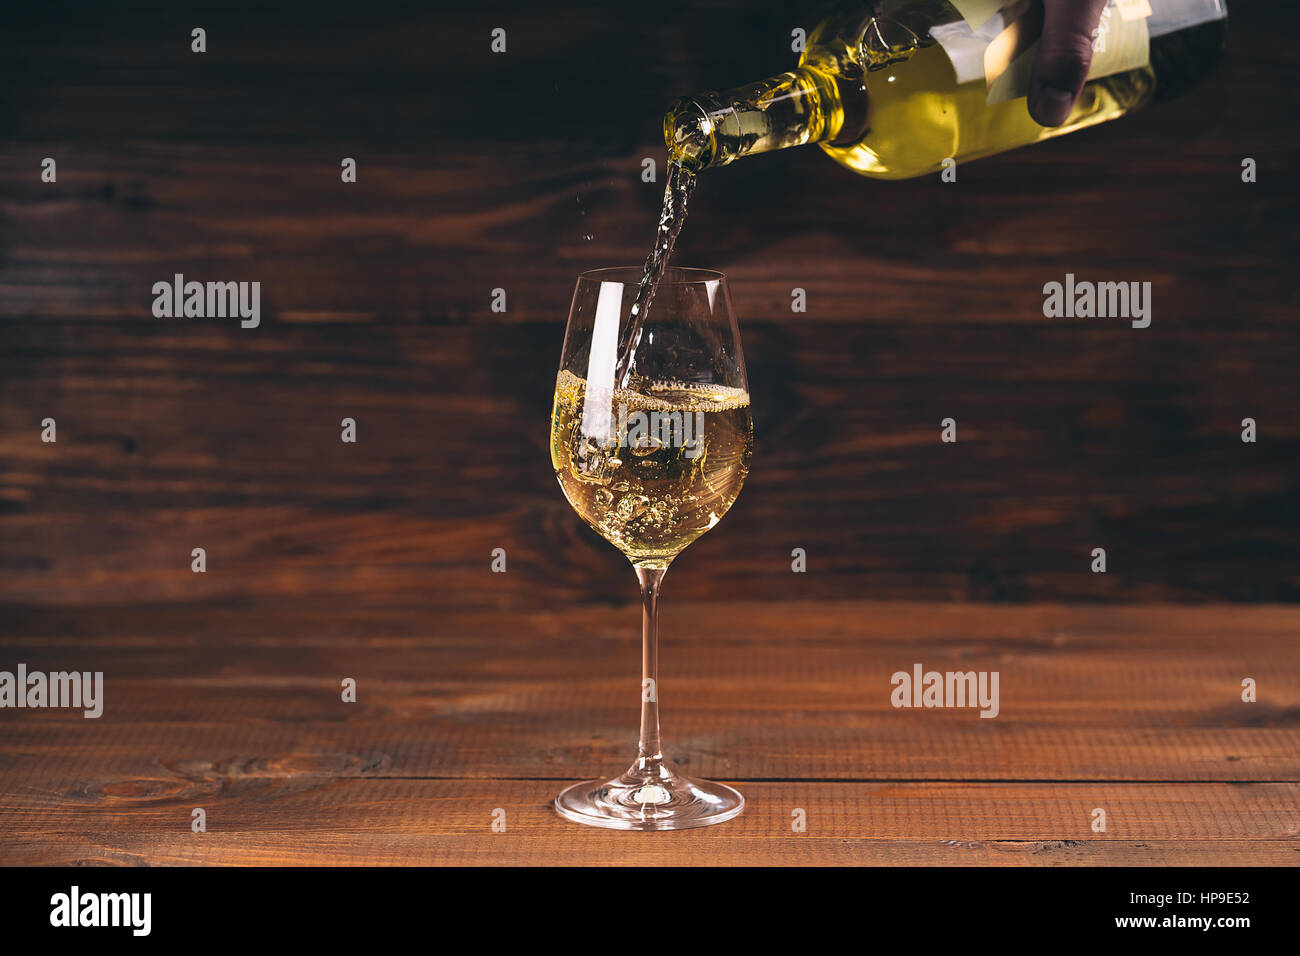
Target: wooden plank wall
(516, 171)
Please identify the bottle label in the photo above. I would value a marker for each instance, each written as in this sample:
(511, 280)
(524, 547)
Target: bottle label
(1166, 15)
(1134, 9)
(1118, 45)
(1002, 48)
(978, 12)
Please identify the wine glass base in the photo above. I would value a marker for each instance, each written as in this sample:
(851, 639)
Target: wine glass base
(659, 799)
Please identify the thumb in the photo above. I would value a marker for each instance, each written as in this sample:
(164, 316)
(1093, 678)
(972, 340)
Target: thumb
(1063, 58)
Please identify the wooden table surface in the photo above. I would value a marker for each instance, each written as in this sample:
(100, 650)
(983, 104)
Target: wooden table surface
(1133, 710)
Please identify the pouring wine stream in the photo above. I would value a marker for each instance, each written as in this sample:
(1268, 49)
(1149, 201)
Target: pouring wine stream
(677, 191)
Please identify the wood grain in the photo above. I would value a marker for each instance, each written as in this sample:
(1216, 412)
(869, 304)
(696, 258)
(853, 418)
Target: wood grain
(482, 690)
(1137, 710)
(171, 439)
(480, 172)
(440, 823)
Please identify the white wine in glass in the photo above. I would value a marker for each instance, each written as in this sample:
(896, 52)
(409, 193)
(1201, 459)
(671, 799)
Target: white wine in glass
(651, 465)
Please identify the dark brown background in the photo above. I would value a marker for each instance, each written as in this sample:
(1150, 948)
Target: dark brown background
(480, 691)
(479, 171)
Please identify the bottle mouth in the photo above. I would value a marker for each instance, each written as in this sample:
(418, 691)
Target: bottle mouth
(690, 132)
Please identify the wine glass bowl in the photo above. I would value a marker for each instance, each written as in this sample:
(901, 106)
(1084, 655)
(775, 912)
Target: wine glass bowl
(651, 437)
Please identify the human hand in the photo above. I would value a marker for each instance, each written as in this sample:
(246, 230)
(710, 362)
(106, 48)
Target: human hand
(1063, 58)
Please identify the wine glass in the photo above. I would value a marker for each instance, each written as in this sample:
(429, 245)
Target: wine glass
(651, 467)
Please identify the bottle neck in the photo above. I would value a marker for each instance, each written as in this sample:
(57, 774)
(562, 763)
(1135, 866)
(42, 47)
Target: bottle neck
(792, 109)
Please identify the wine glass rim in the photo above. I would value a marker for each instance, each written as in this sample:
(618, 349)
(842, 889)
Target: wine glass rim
(673, 275)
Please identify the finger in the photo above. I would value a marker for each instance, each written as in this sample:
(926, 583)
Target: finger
(1063, 58)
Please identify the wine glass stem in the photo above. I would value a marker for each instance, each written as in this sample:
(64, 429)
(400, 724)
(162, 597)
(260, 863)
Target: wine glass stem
(649, 757)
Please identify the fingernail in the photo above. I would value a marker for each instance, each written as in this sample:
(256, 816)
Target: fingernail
(1052, 105)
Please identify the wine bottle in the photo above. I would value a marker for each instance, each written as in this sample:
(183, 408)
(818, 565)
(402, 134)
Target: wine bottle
(901, 88)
